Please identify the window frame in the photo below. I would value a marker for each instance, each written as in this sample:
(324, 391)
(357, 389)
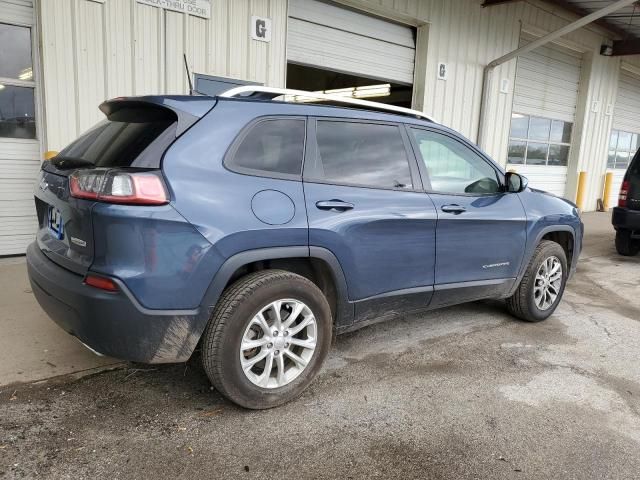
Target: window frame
(425, 173)
(632, 153)
(31, 84)
(548, 141)
(308, 175)
(227, 161)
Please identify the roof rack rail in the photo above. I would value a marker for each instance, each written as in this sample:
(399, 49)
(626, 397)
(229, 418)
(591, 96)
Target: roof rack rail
(272, 92)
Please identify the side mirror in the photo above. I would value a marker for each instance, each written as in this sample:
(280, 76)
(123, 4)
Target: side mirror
(515, 182)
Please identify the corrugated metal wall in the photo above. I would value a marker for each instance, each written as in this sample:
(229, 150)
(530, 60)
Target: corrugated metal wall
(467, 37)
(19, 157)
(120, 47)
(94, 50)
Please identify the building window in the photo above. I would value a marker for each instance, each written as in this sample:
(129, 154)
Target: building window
(539, 141)
(622, 148)
(17, 100)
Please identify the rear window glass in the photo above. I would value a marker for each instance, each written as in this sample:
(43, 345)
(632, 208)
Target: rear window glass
(129, 137)
(271, 146)
(366, 154)
(634, 168)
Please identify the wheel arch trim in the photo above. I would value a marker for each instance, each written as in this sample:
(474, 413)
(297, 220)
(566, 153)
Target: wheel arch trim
(344, 309)
(538, 238)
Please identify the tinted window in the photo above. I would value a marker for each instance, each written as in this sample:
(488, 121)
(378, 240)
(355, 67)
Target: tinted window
(362, 154)
(272, 146)
(126, 139)
(453, 167)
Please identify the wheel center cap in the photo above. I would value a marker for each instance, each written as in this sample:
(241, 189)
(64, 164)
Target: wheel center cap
(278, 342)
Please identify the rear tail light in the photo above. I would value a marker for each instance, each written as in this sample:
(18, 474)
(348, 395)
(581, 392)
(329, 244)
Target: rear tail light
(119, 186)
(102, 283)
(624, 191)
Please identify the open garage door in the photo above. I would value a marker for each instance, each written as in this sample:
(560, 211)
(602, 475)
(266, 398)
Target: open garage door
(334, 38)
(335, 48)
(625, 138)
(544, 107)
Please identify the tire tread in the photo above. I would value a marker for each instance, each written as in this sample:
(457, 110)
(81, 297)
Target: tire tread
(518, 303)
(231, 298)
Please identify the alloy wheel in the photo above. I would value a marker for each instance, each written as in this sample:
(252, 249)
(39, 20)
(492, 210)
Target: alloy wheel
(278, 343)
(548, 283)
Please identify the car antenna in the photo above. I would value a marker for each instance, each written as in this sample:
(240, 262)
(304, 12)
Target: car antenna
(186, 67)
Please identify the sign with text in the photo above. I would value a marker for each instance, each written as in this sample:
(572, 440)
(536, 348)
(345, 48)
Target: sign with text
(199, 8)
(260, 29)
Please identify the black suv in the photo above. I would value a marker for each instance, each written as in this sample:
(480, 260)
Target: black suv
(626, 216)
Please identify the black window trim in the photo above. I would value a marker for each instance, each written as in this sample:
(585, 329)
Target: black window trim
(423, 168)
(254, 172)
(310, 155)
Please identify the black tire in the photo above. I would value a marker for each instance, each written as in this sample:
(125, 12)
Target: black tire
(238, 304)
(522, 304)
(625, 245)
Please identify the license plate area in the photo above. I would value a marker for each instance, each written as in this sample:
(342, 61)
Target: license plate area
(55, 222)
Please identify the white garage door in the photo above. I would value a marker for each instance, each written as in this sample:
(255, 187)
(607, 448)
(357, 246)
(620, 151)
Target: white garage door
(625, 137)
(19, 145)
(334, 38)
(544, 106)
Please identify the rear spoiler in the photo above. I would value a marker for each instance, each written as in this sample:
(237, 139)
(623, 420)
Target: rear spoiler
(188, 110)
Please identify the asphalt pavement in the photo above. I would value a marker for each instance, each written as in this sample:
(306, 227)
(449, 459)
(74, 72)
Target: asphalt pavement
(463, 392)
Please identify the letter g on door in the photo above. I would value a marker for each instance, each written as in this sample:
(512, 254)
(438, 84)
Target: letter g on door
(260, 28)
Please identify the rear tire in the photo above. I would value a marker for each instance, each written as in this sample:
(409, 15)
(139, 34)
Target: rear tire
(625, 245)
(255, 310)
(529, 302)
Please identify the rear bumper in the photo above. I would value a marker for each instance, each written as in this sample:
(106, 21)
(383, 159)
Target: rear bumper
(625, 218)
(112, 324)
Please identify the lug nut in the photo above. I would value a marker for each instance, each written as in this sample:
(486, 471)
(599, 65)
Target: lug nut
(270, 345)
(286, 345)
(275, 333)
(286, 333)
(277, 352)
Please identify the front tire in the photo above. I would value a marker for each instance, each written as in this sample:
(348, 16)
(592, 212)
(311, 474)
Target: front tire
(267, 338)
(625, 245)
(542, 286)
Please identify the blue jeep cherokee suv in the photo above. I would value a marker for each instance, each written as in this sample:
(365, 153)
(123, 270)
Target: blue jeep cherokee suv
(258, 229)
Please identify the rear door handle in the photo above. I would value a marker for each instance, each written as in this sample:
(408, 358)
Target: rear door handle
(455, 209)
(337, 205)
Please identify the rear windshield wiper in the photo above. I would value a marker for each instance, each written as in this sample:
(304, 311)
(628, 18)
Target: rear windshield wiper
(63, 162)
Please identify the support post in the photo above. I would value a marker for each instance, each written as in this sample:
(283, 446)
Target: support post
(582, 187)
(608, 183)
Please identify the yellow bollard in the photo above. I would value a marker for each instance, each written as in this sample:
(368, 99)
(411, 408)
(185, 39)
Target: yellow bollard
(48, 155)
(608, 182)
(582, 186)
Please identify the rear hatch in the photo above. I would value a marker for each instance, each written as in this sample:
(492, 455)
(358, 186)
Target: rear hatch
(133, 138)
(631, 184)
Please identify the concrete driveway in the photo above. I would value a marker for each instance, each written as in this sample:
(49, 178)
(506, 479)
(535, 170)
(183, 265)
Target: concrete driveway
(32, 347)
(464, 392)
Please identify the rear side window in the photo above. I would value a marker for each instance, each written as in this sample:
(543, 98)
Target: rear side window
(130, 137)
(271, 147)
(366, 154)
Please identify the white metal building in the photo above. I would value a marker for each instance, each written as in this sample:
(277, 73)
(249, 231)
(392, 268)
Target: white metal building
(562, 108)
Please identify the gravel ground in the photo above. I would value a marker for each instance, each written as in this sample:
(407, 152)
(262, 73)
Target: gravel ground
(464, 392)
